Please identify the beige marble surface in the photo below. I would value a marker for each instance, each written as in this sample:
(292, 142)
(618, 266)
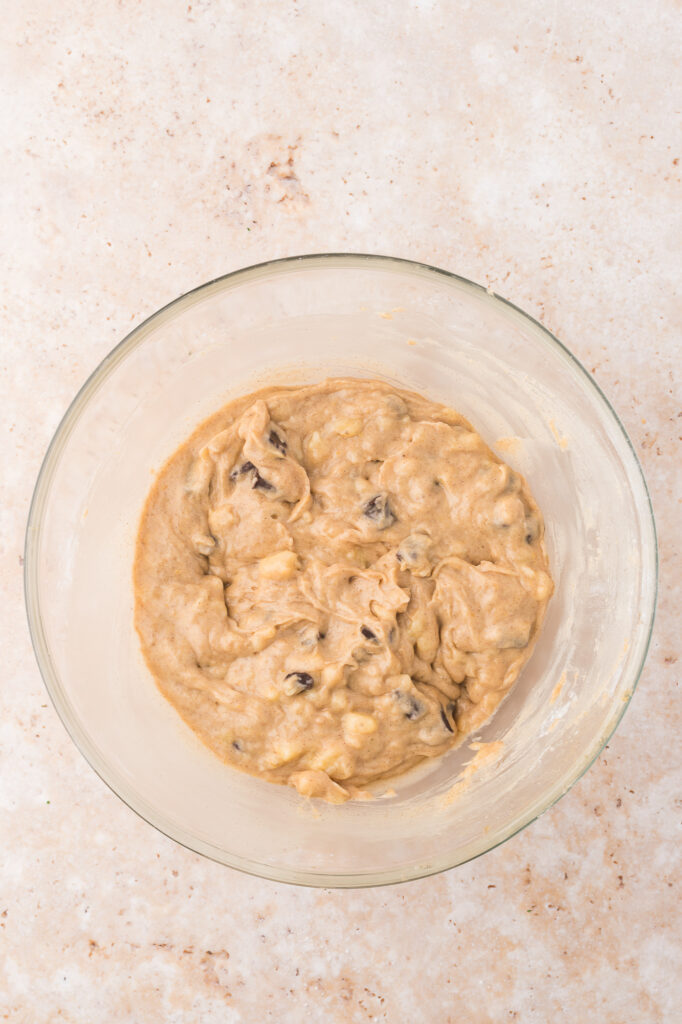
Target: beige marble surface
(149, 146)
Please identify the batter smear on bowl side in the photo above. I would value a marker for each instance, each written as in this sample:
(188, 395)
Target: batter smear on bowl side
(336, 581)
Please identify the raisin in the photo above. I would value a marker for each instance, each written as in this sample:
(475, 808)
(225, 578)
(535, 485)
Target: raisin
(277, 442)
(379, 511)
(409, 705)
(260, 483)
(444, 717)
(369, 634)
(301, 680)
(258, 480)
(415, 709)
(246, 467)
(532, 528)
(413, 549)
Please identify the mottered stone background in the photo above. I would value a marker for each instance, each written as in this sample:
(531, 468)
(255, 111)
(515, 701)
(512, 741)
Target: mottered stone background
(150, 146)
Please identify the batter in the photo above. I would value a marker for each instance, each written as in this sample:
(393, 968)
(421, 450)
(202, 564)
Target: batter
(334, 582)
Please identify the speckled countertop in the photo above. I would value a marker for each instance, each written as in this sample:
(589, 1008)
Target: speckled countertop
(151, 146)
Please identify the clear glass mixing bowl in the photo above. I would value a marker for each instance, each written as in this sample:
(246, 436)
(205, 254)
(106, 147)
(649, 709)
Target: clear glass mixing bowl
(298, 320)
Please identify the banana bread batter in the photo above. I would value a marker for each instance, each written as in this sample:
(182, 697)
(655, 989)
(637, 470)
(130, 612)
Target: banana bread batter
(334, 582)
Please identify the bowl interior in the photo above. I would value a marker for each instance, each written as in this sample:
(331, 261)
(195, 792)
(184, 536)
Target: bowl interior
(299, 321)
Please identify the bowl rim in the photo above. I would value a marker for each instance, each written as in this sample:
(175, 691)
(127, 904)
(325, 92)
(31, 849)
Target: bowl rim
(48, 468)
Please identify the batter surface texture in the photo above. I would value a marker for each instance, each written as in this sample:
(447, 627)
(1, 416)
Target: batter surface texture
(334, 582)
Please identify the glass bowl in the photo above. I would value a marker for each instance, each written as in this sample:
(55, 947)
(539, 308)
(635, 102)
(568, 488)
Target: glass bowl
(299, 320)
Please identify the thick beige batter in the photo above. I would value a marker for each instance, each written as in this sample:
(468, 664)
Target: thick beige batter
(334, 582)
